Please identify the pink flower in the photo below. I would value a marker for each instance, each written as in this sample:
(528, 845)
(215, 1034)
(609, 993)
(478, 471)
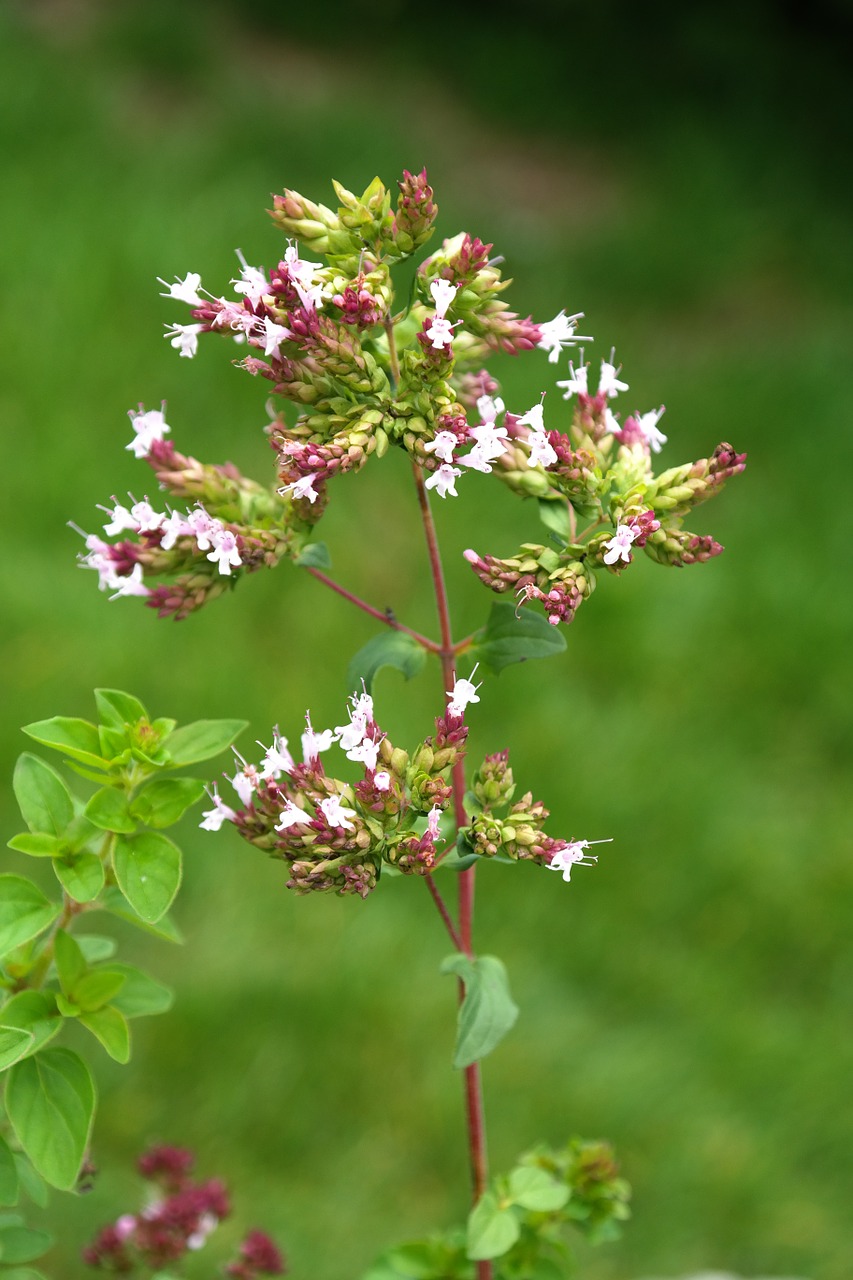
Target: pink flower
(619, 546)
(442, 446)
(574, 854)
(225, 552)
(148, 427)
(444, 480)
(214, 818)
(336, 813)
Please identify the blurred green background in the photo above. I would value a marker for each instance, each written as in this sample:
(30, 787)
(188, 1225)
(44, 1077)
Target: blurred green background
(678, 174)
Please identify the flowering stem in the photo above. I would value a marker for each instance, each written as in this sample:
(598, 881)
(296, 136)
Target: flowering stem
(388, 326)
(387, 618)
(443, 912)
(473, 1082)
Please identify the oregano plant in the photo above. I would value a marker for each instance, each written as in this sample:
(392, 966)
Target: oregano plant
(357, 357)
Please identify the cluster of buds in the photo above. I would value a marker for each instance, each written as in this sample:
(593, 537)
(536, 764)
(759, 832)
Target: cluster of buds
(557, 582)
(335, 835)
(503, 829)
(179, 1217)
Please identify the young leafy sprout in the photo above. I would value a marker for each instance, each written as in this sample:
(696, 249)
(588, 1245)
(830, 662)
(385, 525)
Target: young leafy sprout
(363, 371)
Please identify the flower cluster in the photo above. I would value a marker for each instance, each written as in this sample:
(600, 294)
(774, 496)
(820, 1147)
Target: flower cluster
(336, 835)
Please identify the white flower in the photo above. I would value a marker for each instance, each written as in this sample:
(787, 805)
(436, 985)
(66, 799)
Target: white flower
(298, 268)
(120, 520)
(444, 480)
(443, 293)
(462, 693)
(542, 452)
(173, 527)
(574, 854)
(559, 333)
(433, 819)
(273, 335)
(577, 384)
(303, 488)
(184, 338)
(491, 440)
(130, 584)
(478, 460)
(608, 383)
(382, 780)
(336, 813)
(225, 551)
(313, 743)
(488, 408)
(245, 781)
(252, 282)
(619, 546)
(534, 418)
(611, 422)
(184, 290)
(290, 816)
(214, 818)
(203, 526)
(277, 759)
(648, 424)
(440, 333)
(442, 446)
(310, 295)
(148, 427)
(145, 518)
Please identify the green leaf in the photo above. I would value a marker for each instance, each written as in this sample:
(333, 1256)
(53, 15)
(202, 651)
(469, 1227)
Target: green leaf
(141, 994)
(9, 1188)
(97, 988)
(202, 739)
(148, 871)
(108, 809)
(81, 877)
(111, 1029)
(492, 1230)
(14, 1044)
(24, 912)
(42, 796)
(31, 1182)
(22, 1244)
(33, 1011)
(114, 744)
(165, 800)
(50, 1100)
(390, 649)
(509, 637)
(96, 947)
(315, 555)
(555, 516)
(116, 709)
(536, 1189)
(488, 1011)
(70, 962)
(75, 738)
(112, 900)
(37, 844)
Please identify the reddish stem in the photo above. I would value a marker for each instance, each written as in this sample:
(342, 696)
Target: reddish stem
(444, 913)
(473, 1083)
(387, 618)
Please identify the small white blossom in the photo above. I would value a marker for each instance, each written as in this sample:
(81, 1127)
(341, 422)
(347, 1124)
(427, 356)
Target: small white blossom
(336, 813)
(145, 518)
(382, 780)
(273, 335)
(119, 521)
(173, 527)
(277, 759)
(313, 743)
(252, 281)
(489, 408)
(542, 453)
(433, 819)
(559, 333)
(310, 295)
(442, 446)
(611, 422)
(443, 293)
(245, 781)
(440, 333)
(302, 488)
(491, 440)
(534, 418)
(608, 382)
(130, 584)
(619, 546)
(148, 427)
(184, 290)
(648, 424)
(444, 480)
(291, 816)
(214, 818)
(462, 693)
(203, 527)
(478, 460)
(298, 268)
(573, 855)
(577, 384)
(225, 552)
(184, 338)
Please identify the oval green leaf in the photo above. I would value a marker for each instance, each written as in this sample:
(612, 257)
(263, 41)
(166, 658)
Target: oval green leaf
(42, 796)
(314, 555)
(492, 1230)
(165, 800)
(75, 738)
(141, 994)
(109, 1027)
(202, 739)
(390, 649)
(108, 810)
(488, 1011)
(38, 844)
(14, 1044)
(113, 901)
(509, 637)
(148, 871)
(81, 877)
(97, 988)
(19, 1243)
(536, 1189)
(24, 912)
(116, 709)
(32, 1011)
(50, 1101)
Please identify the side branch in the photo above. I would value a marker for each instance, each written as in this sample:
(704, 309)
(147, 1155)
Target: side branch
(387, 618)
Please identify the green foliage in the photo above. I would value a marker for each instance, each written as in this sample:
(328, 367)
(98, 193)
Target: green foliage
(514, 636)
(108, 852)
(389, 649)
(488, 1011)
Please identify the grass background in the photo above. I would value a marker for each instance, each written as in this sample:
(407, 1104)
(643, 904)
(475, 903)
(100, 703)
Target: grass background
(677, 175)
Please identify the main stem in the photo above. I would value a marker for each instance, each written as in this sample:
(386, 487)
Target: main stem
(473, 1082)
